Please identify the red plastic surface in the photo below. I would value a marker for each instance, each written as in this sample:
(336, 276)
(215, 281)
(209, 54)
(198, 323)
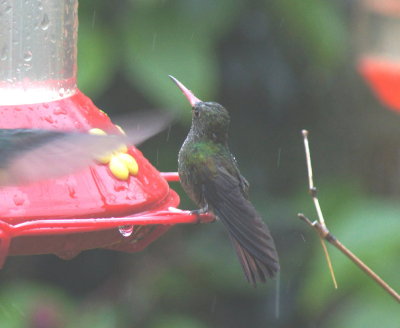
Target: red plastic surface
(93, 191)
(383, 76)
(83, 210)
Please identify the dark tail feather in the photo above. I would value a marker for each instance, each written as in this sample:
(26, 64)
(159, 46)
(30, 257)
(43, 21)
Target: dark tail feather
(254, 270)
(251, 239)
(249, 234)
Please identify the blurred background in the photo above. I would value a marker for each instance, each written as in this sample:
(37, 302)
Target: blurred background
(278, 67)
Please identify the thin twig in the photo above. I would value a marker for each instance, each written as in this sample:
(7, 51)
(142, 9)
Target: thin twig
(329, 262)
(325, 234)
(328, 236)
(311, 187)
(313, 192)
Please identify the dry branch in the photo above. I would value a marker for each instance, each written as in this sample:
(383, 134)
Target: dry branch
(325, 234)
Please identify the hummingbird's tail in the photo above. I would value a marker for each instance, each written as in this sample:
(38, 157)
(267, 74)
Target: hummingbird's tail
(225, 196)
(254, 270)
(251, 239)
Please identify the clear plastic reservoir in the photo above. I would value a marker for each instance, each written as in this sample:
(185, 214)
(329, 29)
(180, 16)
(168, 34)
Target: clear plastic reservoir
(37, 50)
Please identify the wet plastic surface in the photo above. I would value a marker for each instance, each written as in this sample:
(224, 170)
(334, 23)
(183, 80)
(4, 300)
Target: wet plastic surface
(90, 208)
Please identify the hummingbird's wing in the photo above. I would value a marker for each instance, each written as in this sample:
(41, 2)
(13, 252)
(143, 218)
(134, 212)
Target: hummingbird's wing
(28, 155)
(244, 184)
(249, 234)
(141, 126)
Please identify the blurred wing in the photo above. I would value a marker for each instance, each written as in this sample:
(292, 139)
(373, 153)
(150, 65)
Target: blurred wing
(249, 234)
(141, 126)
(28, 155)
(32, 155)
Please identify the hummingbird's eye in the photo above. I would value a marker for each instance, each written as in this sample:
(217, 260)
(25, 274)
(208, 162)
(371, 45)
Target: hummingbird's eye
(196, 112)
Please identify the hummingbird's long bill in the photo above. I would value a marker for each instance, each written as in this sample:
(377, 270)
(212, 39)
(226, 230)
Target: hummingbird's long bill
(193, 100)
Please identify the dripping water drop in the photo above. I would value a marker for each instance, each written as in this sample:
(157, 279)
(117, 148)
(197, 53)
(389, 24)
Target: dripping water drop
(126, 230)
(44, 24)
(28, 56)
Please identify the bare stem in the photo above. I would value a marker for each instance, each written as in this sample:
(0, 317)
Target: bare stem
(325, 234)
(313, 192)
(329, 262)
(328, 236)
(311, 187)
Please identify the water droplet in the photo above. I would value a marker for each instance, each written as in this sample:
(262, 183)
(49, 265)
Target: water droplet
(3, 55)
(28, 56)
(8, 9)
(120, 187)
(27, 67)
(44, 24)
(126, 230)
(49, 119)
(18, 200)
(61, 92)
(131, 195)
(71, 191)
(60, 111)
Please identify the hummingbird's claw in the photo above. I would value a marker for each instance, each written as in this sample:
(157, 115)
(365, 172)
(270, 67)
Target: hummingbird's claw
(199, 212)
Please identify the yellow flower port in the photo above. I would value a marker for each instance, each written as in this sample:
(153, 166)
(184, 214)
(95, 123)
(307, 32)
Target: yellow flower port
(120, 163)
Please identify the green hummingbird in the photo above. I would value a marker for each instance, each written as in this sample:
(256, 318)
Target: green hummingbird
(210, 176)
(30, 155)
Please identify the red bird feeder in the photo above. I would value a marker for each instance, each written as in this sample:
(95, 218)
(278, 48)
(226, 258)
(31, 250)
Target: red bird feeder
(379, 51)
(95, 207)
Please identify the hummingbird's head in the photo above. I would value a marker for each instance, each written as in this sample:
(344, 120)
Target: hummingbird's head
(209, 119)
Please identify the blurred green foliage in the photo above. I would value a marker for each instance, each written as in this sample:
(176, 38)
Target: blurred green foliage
(152, 42)
(316, 27)
(279, 67)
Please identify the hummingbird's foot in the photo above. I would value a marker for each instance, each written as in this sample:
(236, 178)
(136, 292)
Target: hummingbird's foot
(199, 212)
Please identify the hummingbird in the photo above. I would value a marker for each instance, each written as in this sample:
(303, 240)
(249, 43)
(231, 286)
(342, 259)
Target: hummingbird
(209, 174)
(29, 155)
